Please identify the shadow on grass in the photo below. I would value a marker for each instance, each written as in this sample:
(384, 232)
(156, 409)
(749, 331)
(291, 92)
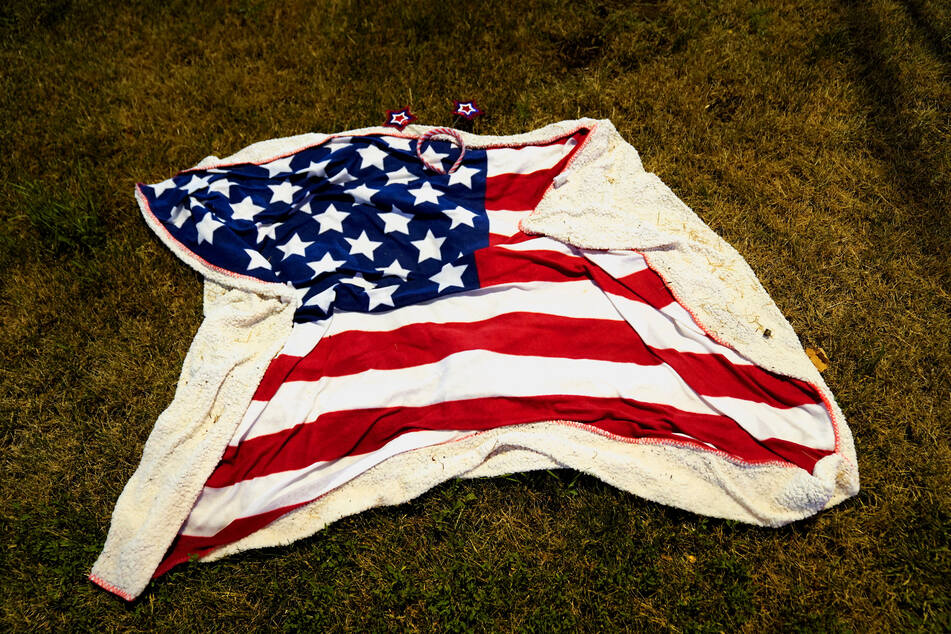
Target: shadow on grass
(915, 170)
(933, 39)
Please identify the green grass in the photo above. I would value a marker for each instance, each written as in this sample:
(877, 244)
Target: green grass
(814, 136)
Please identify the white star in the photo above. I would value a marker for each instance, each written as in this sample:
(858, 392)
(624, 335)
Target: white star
(245, 210)
(278, 166)
(362, 194)
(323, 299)
(207, 227)
(266, 231)
(318, 169)
(381, 295)
(402, 175)
(338, 143)
(179, 215)
(372, 156)
(428, 247)
(460, 216)
(197, 183)
(363, 245)
(395, 220)
(359, 280)
(160, 188)
(325, 264)
(294, 246)
(434, 157)
(283, 192)
(425, 194)
(463, 176)
(331, 219)
(396, 269)
(342, 177)
(450, 275)
(222, 186)
(257, 260)
(399, 143)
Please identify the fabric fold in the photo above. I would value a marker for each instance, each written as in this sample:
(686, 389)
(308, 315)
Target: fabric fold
(335, 263)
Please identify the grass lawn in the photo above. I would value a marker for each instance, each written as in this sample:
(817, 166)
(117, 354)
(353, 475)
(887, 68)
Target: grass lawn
(813, 136)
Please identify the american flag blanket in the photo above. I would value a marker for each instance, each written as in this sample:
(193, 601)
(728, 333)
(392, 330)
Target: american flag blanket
(374, 327)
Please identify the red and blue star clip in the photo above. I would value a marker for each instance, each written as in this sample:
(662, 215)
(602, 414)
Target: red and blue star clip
(468, 109)
(399, 119)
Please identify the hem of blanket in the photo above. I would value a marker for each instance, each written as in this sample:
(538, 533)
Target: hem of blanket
(239, 335)
(369, 497)
(205, 268)
(680, 475)
(105, 585)
(835, 415)
(130, 580)
(273, 149)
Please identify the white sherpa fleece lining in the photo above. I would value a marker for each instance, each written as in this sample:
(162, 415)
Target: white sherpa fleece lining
(604, 200)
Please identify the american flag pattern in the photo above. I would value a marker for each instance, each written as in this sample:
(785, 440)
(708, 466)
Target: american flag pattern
(426, 315)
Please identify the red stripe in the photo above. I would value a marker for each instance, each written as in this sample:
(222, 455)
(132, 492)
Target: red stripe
(295, 449)
(337, 434)
(497, 265)
(523, 334)
(530, 334)
(524, 191)
(276, 373)
(186, 546)
(496, 239)
(715, 375)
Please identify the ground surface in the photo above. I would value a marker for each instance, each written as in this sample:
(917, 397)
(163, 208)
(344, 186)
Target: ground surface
(813, 136)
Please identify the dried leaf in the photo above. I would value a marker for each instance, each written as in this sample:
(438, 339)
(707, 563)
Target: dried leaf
(818, 358)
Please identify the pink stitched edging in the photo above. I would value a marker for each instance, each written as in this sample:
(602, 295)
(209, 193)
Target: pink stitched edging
(572, 157)
(105, 585)
(383, 132)
(833, 418)
(686, 444)
(192, 258)
(304, 505)
(822, 395)
(255, 284)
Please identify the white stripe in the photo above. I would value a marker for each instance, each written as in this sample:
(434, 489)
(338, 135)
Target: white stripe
(541, 243)
(661, 329)
(579, 299)
(468, 375)
(218, 507)
(672, 328)
(476, 374)
(304, 337)
(505, 222)
(525, 160)
(617, 264)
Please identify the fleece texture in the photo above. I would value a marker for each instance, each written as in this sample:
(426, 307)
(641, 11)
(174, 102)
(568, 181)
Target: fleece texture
(605, 200)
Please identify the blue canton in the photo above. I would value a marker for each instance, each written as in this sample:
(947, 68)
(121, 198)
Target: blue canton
(357, 223)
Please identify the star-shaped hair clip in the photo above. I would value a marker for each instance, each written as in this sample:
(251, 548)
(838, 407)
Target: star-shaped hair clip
(468, 109)
(399, 119)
